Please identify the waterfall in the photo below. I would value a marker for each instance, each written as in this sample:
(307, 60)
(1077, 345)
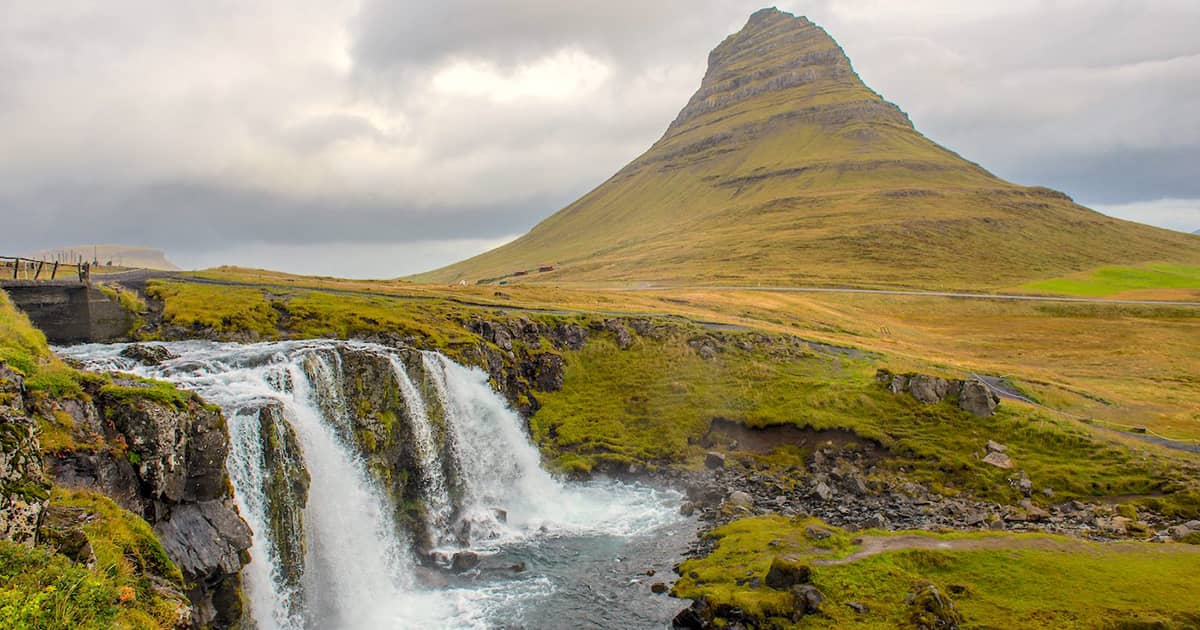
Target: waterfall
(337, 516)
(439, 508)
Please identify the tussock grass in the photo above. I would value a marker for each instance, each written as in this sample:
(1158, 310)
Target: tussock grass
(42, 589)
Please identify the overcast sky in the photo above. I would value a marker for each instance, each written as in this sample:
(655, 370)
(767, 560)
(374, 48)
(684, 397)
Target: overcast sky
(382, 138)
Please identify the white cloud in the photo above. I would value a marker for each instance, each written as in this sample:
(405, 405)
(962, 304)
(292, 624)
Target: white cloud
(562, 76)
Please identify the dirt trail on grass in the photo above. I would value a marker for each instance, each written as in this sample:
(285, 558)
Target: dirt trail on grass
(874, 545)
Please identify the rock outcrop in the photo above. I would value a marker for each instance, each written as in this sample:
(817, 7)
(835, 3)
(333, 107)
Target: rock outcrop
(23, 487)
(162, 458)
(970, 395)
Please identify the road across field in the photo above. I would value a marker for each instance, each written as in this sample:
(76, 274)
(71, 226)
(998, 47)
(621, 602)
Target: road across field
(941, 294)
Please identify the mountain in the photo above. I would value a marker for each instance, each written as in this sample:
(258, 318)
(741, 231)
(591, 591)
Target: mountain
(119, 255)
(786, 169)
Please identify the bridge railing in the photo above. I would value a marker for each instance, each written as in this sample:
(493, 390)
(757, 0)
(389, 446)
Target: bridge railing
(18, 268)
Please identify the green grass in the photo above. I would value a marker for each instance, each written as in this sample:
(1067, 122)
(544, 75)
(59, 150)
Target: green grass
(1113, 280)
(24, 347)
(222, 309)
(653, 403)
(41, 589)
(1022, 581)
(140, 388)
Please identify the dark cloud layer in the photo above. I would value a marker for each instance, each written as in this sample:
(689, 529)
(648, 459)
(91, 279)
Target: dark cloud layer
(209, 127)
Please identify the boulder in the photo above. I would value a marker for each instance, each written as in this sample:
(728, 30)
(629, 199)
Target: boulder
(930, 609)
(620, 333)
(787, 570)
(464, 561)
(147, 354)
(713, 460)
(977, 399)
(999, 460)
(876, 521)
(739, 498)
(694, 617)
(806, 600)
(995, 447)
(823, 491)
(658, 588)
(928, 389)
(1035, 513)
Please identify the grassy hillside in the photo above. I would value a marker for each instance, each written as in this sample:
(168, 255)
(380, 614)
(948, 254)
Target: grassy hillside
(785, 169)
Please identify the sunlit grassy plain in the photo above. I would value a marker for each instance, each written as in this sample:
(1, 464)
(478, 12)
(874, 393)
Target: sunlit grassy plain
(1125, 365)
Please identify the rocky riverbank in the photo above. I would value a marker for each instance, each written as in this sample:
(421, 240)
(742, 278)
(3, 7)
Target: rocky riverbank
(843, 483)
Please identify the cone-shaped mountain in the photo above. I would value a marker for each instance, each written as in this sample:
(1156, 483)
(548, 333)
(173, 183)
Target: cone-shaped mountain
(786, 169)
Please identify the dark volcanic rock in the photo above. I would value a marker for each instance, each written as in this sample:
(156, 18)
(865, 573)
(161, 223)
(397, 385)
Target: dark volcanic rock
(147, 354)
(464, 561)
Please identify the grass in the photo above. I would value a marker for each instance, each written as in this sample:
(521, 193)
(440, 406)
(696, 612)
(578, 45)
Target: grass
(24, 348)
(127, 299)
(652, 403)
(135, 388)
(1110, 281)
(223, 309)
(42, 589)
(1013, 581)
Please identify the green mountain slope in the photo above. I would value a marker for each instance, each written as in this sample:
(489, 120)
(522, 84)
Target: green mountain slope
(785, 169)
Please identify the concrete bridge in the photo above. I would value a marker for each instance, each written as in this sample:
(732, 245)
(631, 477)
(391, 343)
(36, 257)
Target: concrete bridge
(70, 311)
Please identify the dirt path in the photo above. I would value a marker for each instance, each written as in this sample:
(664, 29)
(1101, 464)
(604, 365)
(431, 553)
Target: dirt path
(874, 545)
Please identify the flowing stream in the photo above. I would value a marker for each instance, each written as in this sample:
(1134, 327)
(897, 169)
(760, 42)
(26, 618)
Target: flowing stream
(332, 545)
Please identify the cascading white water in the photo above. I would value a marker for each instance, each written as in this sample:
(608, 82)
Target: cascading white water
(438, 507)
(358, 570)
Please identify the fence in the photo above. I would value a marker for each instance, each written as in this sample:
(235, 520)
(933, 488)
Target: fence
(17, 268)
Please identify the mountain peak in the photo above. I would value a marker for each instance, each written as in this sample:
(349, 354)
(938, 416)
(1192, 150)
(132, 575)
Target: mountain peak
(785, 168)
(790, 60)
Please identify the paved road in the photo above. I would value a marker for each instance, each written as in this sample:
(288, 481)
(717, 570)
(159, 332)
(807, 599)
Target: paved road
(944, 294)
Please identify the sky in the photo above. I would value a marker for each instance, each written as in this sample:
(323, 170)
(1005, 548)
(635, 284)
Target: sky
(376, 139)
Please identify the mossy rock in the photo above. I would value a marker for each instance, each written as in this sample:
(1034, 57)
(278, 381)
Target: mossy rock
(788, 570)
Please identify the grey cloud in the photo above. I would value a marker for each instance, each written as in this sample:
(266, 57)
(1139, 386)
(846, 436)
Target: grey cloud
(390, 34)
(196, 126)
(179, 215)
